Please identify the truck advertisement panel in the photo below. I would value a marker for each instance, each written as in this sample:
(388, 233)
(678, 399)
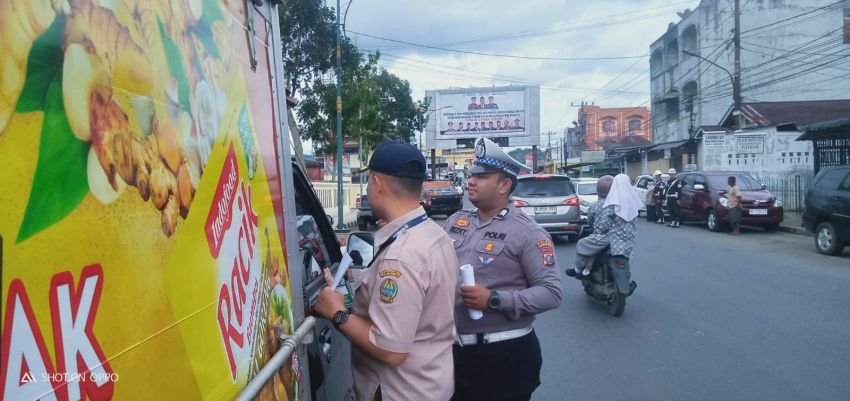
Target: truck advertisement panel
(479, 112)
(141, 238)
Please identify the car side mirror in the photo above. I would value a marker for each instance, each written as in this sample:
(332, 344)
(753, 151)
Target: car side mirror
(699, 187)
(763, 186)
(361, 248)
(330, 219)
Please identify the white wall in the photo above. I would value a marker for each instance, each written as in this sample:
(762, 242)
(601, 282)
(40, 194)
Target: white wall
(779, 160)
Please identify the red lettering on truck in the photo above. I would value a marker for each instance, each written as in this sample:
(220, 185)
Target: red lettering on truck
(26, 370)
(221, 213)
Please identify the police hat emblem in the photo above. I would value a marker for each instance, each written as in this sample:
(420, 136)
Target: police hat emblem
(480, 148)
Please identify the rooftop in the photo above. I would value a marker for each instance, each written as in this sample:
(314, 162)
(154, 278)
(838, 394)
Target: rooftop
(801, 113)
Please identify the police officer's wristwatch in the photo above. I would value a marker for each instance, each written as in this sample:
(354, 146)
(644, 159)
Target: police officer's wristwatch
(339, 318)
(494, 301)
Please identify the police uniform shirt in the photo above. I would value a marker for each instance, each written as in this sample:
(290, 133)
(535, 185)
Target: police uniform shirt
(674, 188)
(660, 190)
(408, 294)
(511, 255)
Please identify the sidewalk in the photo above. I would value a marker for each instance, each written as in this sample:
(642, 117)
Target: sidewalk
(792, 223)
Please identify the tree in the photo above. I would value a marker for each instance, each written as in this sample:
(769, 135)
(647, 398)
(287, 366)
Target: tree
(308, 37)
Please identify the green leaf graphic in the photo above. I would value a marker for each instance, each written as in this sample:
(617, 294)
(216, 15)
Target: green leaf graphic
(43, 63)
(211, 12)
(204, 33)
(60, 182)
(175, 66)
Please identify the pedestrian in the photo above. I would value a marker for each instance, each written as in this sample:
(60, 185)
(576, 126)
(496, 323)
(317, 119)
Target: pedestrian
(498, 357)
(651, 205)
(733, 202)
(402, 321)
(659, 196)
(674, 188)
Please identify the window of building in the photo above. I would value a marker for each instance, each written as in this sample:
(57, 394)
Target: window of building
(635, 125)
(609, 126)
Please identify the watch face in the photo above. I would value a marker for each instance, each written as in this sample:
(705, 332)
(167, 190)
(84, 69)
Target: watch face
(340, 317)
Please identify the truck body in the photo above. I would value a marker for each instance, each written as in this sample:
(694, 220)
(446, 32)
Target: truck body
(156, 239)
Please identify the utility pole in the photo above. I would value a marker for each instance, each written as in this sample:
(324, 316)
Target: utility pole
(340, 195)
(736, 83)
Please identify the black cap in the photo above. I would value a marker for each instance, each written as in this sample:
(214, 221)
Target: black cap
(397, 159)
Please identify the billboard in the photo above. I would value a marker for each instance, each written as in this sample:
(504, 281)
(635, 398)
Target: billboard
(476, 112)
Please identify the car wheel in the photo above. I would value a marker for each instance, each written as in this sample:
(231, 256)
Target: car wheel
(826, 240)
(711, 221)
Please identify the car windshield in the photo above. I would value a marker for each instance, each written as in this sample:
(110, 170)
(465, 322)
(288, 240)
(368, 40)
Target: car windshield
(745, 182)
(544, 187)
(588, 188)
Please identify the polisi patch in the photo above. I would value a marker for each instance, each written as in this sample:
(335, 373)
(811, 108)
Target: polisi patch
(548, 260)
(545, 246)
(495, 235)
(388, 290)
(390, 272)
(462, 223)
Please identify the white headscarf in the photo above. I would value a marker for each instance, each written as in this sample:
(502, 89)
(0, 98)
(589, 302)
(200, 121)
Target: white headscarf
(624, 198)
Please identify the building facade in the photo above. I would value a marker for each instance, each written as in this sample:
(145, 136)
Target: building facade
(604, 128)
(790, 50)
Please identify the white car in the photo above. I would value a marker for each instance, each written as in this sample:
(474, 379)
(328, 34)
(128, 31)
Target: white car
(586, 191)
(641, 184)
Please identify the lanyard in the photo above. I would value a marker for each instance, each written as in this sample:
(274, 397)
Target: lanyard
(410, 224)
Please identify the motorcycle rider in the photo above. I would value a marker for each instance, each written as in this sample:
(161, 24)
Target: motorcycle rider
(613, 219)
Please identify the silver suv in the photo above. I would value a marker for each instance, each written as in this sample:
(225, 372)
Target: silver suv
(551, 201)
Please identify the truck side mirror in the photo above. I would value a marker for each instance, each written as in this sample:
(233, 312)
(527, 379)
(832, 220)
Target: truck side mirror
(361, 248)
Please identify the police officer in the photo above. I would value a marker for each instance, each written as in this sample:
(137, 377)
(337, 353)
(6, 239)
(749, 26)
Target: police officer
(497, 357)
(402, 321)
(674, 188)
(659, 195)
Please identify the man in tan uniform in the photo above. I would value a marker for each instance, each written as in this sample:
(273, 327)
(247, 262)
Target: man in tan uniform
(402, 321)
(498, 356)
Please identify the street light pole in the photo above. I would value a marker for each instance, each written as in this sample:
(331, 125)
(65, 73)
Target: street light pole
(736, 95)
(339, 195)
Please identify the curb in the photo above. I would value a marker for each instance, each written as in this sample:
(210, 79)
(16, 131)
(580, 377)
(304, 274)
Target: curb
(795, 230)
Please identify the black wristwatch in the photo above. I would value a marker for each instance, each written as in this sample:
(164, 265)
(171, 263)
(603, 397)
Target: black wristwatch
(494, 301)
(339, 318)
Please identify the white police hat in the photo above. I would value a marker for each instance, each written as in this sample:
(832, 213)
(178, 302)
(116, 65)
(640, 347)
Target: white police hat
(490, 158)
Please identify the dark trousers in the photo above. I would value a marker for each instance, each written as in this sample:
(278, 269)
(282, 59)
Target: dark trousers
(650, 214)
(673, 206)
(503, 371)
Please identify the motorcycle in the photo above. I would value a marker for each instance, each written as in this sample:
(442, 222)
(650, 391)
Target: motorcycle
(609, 282)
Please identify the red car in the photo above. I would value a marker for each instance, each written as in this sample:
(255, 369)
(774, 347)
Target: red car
(703, 198)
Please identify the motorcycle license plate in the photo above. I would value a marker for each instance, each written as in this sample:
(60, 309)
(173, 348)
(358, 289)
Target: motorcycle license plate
(758, 212)
(545, 210)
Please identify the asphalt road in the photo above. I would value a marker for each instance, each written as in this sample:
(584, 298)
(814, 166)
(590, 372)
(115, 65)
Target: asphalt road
(760, 316)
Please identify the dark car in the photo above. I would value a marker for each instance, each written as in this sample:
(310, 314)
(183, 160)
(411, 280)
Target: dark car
(364, 213)
(551, 201)
(703, 198)
(827, 212)
(441, 197)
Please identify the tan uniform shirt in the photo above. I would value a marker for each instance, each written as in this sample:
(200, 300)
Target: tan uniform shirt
(733, 195)
(511, 255)
(408, 293)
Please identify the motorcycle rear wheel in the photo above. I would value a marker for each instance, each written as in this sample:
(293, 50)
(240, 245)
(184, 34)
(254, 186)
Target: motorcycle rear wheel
(617, 304)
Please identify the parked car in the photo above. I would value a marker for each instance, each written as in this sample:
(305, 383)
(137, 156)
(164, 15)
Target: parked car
(703, 198)
(586, 191)
(551, 201)
(364, 213)
(827, 211)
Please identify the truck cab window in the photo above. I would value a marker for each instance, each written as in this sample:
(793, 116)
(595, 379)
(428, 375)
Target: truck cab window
(310, 239)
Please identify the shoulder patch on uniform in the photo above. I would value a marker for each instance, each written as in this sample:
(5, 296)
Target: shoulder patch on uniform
(504, 213)
(390, 272)
(388, 290)
(547, 250)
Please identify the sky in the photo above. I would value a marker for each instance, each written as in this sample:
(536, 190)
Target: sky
(621, 29)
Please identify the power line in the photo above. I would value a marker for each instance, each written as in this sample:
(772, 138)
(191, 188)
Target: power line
(512, 56)
(775, 23)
